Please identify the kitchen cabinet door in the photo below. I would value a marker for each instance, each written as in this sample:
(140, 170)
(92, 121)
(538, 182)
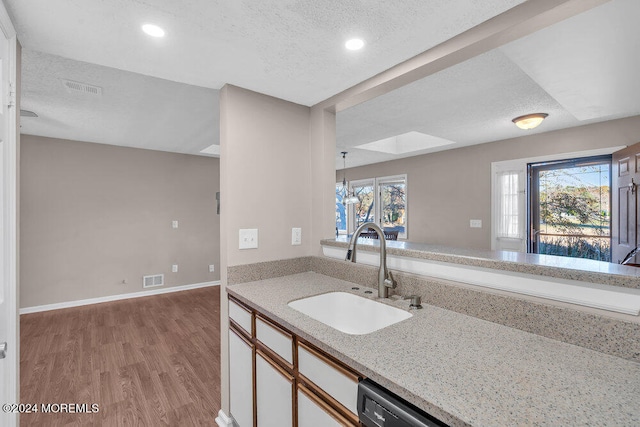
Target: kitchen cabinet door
(241, 356)
(274, 393)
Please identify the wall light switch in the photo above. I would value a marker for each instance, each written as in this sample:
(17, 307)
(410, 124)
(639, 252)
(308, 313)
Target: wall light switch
(248, 238)
(174, 268)
(174, 224)
(296, 236)
(475, 223)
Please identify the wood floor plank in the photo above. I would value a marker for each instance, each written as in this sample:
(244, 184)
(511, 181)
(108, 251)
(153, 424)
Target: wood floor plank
(152, 361)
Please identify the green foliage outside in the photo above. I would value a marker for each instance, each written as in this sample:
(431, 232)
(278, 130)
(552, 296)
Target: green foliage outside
(393, 205)
(574, 214)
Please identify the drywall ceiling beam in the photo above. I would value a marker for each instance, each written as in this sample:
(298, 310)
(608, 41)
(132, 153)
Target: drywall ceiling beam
(511, 25)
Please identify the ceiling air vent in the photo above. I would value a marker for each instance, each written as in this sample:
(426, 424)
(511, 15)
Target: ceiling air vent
(151, 281)
(77, 87)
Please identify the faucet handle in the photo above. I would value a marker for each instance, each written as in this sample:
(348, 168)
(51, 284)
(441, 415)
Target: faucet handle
(416, 301)
(389, 282)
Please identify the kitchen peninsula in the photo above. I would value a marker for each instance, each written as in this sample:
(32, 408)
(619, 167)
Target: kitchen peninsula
(460, 369)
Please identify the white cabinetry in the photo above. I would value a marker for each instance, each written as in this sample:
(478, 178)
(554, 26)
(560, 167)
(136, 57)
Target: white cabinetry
(274, 393)
(337, 382)
(278, 380)
(277, 340)
(313, 412)
(241, 384)
(241, 316)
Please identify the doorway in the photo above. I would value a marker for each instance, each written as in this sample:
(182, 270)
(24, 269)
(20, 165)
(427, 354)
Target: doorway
(570, 208)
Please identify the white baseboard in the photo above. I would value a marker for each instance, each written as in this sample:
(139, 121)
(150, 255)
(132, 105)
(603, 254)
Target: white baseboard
(77, 303)
(223, 420)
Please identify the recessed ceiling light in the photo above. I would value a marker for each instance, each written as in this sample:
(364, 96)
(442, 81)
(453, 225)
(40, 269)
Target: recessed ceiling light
(354, 44)
(153, 30)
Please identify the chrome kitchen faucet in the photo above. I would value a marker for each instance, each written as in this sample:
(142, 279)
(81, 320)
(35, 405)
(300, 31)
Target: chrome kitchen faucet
(385, 279)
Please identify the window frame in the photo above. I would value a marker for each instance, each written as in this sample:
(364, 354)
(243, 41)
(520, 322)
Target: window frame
(520, 245)
(376, 183)
(533, 200)
(346, 213)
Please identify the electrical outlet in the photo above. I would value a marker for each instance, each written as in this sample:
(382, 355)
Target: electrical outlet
(174, 268)
(248, 238)
(174, 224)
(212, 268)
(296, 236)
(475, 223)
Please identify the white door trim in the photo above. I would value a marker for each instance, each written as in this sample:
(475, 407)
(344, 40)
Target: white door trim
(11, 382)
(520, 165)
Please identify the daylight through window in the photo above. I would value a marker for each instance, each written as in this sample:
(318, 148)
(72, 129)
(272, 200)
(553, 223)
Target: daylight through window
(381, 200)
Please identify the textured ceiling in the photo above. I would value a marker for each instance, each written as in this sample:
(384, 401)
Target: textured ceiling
(579, 71)
(133, 110)
(291, 49)
(161, 94)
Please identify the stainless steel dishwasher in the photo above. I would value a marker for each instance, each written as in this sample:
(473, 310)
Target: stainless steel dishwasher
(378, 407)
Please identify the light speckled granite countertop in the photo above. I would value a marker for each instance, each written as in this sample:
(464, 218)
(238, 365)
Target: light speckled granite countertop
(464, 370)
(585, 270)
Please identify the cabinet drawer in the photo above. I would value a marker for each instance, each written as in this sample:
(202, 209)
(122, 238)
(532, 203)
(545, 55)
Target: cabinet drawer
(241, 316)
(332, 378)
(313, 412)
(277, 340)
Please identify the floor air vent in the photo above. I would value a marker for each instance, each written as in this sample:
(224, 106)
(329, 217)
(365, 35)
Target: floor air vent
(151, 281)
(77, 87)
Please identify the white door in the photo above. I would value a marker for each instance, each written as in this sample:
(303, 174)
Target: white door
(9, 320)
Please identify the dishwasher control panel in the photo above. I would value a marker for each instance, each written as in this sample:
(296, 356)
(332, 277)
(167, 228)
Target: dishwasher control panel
(378, 407)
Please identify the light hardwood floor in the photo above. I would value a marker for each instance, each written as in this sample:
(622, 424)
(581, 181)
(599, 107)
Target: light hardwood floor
(149, 361)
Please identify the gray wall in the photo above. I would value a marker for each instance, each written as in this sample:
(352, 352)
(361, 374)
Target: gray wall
(266, 174)
(93, 215)
(448, 188)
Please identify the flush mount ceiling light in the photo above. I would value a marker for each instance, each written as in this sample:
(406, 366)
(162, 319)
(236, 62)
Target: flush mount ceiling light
(153, 30)
(354, 44)
(348, 198)
(529, 121)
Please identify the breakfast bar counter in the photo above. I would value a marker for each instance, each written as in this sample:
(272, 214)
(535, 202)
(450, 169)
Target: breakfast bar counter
(460, 369)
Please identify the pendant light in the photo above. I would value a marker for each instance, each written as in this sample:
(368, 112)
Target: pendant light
(348, 198)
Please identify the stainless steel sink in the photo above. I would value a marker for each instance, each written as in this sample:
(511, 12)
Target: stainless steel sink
(349, 313)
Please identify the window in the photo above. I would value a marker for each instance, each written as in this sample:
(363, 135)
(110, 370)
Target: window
(364, 210)
(508, 207)
(511, 200)
(509, 220)
(393, 202)
(569, 209)
(383, 201)
(341, 210)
